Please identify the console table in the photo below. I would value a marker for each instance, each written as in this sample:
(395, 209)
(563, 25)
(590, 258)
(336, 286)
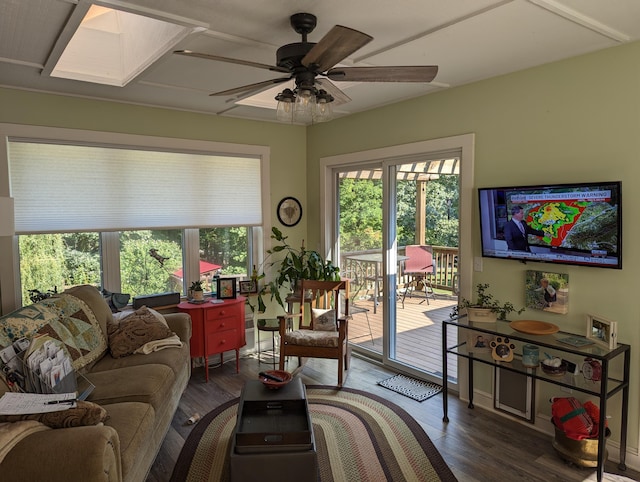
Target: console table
(603, 389)
(216, 328)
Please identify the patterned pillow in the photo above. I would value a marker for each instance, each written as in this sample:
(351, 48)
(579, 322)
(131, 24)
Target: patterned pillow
(63, 317)
(324, 320)
(128, 334)
(85, 413)
(24, 322)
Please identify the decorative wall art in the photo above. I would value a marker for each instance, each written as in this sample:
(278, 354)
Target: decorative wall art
(547, 291)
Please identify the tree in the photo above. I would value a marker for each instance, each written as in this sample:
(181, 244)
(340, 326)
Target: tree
(140, 272)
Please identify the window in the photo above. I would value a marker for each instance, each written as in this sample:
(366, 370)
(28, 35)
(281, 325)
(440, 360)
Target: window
(132, 214)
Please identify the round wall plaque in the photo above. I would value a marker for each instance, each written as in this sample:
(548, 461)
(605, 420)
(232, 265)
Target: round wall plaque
(289, 211)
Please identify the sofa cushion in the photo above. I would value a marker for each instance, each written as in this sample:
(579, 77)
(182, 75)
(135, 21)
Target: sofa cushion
(128, 334)
(85, 413)
(148, 383)
(135, 423)
(175, 358)
(93, 298)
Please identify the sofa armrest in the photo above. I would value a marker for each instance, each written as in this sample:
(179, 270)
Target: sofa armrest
(78, 453)
(180, 324)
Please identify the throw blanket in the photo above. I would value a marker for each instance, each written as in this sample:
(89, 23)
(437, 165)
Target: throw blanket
(150, 347)
(12, 433)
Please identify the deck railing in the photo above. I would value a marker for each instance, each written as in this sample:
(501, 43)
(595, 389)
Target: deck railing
(363, 274)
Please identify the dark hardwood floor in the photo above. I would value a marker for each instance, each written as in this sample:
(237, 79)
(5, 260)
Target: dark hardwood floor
(477, 444)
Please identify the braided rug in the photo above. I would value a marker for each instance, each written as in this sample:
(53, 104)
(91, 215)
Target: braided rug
(359, 437)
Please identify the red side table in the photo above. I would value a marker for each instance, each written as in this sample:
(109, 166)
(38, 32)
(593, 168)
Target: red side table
(216, 328)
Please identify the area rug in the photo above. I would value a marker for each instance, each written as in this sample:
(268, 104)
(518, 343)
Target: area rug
(410, 387)
(359, 436)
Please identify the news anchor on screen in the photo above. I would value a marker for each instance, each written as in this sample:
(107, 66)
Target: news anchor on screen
(516, 231)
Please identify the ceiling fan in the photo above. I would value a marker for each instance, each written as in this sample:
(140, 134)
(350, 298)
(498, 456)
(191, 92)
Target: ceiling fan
(312, 65)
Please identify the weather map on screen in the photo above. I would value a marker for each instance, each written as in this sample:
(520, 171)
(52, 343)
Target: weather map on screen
(572, 224)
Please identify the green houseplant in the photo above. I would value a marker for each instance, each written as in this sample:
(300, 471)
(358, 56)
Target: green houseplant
(196, 291)
(493, 309)
(290, 266)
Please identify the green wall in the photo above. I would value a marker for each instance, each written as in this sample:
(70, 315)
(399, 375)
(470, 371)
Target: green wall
(574, 120)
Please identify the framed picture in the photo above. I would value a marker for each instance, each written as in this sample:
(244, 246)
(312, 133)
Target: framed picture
(478, 342)
(547, 291)
(248, 287)
(226, 288)
(602, 331)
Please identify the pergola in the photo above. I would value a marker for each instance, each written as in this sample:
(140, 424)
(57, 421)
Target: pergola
(421, 172)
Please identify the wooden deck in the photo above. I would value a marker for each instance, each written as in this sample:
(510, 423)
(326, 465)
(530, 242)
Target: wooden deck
(418, 336)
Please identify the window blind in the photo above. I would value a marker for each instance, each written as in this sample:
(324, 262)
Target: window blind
(67, 188)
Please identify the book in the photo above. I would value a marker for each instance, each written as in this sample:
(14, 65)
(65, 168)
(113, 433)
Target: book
(577, 341)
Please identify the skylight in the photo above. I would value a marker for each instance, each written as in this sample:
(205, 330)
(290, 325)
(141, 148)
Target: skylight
(112, 47)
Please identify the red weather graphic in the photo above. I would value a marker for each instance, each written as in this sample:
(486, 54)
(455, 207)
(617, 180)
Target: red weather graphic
(556, 219)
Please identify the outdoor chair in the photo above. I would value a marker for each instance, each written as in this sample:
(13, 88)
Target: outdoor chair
(419, 267)
(356, 285)
(322, 328)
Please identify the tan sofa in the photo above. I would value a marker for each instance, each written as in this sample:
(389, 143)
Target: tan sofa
(140, 394)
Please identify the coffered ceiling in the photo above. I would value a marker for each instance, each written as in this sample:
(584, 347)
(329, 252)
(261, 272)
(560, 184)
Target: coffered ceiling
(469, 40)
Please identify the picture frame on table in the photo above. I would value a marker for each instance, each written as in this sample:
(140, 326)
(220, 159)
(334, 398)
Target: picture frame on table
(226, 288)
(478, 342)
(602, 331)
(248, 287)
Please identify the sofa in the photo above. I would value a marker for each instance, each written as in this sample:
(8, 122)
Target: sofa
(140, 393)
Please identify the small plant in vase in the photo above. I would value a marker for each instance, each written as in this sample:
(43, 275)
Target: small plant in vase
(485, 307)
(196, 291)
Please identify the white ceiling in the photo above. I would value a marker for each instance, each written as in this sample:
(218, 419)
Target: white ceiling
(469, 40)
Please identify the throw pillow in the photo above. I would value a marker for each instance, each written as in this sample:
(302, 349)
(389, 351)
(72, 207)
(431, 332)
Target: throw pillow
(128, 334)
(85, 413)
(324, 320)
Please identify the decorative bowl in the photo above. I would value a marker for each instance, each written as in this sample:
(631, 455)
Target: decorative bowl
(283, 377)
(554, 371)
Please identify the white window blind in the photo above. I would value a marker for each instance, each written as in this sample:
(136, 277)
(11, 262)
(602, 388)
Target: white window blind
(66, 188)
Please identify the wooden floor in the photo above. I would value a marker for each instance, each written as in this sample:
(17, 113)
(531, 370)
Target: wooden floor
(418, 333)
(477, 444)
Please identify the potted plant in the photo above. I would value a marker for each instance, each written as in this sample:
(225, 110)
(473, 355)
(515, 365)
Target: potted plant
(485, 307)
(296, 264)
(196, 291)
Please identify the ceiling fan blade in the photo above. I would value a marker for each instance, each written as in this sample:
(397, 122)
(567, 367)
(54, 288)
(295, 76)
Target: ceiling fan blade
(339, 97)
(335, 46)
(190, 53)
(418, 73)
(257, 86)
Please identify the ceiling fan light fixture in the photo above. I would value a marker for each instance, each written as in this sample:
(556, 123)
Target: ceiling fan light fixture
(305, 105)
(286, 101)
(324, 108)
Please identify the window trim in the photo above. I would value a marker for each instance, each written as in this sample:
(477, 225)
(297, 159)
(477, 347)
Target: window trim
(9, 255)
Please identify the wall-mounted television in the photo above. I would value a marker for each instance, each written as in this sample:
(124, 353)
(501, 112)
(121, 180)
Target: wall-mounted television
(578, 223)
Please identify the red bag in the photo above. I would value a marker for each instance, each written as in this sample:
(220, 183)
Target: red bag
(571, 417)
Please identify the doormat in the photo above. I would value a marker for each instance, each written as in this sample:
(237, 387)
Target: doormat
(410, 387)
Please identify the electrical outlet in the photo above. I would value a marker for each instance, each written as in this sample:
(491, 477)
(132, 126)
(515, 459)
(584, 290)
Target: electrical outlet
(477, 263)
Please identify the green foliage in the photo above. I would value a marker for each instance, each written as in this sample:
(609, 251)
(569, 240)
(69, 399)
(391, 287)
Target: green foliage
(485, 300)
(293, 265)
(361, 213)
(42, 263)
(142, 274)
(227, 247)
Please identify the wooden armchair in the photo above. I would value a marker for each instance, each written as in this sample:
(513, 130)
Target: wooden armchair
(322, 328)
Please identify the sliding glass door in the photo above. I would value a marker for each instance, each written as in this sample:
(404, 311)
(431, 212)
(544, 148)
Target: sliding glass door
(381, 209)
